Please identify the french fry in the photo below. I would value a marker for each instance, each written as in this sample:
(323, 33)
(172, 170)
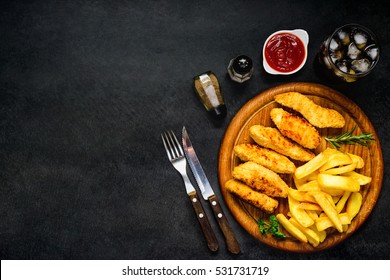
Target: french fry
(311, 166)
(299, 182)
(360, 178)
(329, 209)
(336, 198)
(336, 159)
(328, 152)
(328, 197)
(341, 169)
(294, 231)
(300, 196)
(322, 223)
(343, 200)
(332, 191)
(310, 186)
(345, 219)
(312, 176)
(313, 214)
(297, 195)
(336, 182)
(309, 206)
(359, 161)
(311, 235)
(321, 234)
(299, 214)
(354, 204)
(323, 215)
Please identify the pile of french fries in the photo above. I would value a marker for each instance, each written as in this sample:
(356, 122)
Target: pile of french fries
(327, 195)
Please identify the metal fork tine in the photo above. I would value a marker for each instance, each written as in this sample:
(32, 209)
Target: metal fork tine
(164, 139)
(172, 144)
(169, 142)
(177, 145)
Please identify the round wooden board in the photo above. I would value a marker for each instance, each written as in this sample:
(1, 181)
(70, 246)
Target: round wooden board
(257, 111)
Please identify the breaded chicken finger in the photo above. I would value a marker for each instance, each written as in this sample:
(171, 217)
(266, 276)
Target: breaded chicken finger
(261, 179)
(318, 116)
(257, 199)
(265, 157)
(296, 128)
(271, 138)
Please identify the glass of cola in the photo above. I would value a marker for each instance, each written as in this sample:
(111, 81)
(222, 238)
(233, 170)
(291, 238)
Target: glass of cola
(350, 52)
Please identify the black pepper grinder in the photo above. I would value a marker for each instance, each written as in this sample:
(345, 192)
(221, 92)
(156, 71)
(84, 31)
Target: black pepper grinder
(240, 69)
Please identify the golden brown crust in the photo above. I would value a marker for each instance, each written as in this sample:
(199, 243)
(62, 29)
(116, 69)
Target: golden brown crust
(261, 179)
(265, 157)
(255, 198)
(296, 128)
(271, 138)
(318, 116)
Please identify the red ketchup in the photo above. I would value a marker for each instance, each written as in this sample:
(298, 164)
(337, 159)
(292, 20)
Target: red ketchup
(284, 52)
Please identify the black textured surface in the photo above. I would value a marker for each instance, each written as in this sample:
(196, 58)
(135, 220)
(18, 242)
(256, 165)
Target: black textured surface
(86, 87)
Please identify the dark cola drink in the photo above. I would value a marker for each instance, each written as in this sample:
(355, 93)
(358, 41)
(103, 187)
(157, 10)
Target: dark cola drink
(350, 53)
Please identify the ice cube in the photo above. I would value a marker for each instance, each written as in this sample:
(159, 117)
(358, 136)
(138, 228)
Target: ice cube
(372, 52)
(361, 65)
(335, 56)
(333, 45)
(344, 37)
(353, 51)
(360, 39)
(342, 65)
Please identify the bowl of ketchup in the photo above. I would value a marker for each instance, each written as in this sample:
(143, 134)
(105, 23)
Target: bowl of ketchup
(285, 51)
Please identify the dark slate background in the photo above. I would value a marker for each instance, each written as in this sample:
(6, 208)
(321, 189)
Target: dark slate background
(86, 88)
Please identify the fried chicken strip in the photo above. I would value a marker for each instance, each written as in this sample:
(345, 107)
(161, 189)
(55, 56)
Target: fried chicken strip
(261, 179)
(318, 116)
(257, 199)
(265, 157)
(271, 138)
(296, 128)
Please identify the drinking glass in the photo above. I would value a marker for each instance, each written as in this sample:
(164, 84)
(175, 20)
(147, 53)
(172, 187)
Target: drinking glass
(350, 53)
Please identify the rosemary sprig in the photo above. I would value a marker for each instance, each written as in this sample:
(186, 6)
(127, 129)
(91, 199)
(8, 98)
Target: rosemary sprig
(347, 138)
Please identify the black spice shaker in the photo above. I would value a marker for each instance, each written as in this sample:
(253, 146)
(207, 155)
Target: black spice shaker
(240, 69)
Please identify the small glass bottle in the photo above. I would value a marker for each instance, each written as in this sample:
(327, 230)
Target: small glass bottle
(240, 69)
(209, 92)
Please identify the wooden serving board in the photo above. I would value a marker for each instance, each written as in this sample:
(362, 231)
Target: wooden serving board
(257, 111)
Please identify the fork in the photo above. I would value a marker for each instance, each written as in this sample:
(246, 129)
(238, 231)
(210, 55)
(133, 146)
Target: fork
(179, 162)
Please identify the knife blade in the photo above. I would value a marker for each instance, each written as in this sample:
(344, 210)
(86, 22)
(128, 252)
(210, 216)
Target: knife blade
(208, 193)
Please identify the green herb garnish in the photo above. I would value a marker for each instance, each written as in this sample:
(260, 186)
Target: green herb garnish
(271, 227)
(347, 138)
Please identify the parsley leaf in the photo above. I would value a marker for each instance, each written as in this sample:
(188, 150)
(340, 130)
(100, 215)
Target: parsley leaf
(271, 227)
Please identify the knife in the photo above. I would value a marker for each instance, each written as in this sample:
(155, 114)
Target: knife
(208, 194)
